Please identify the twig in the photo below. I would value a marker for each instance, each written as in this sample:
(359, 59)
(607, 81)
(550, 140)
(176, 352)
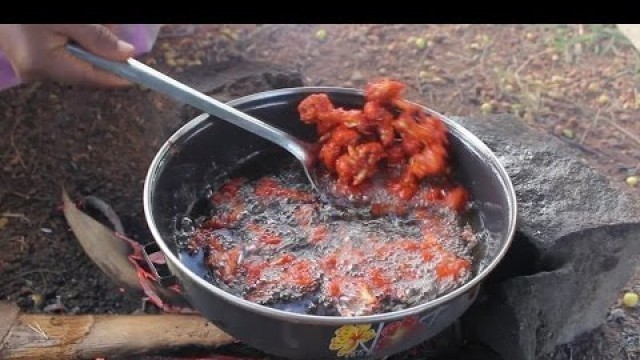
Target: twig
(22, 243)
(457, 93)
(261, 30)
(528, 61)
(420, 63)
(38, 330)
(28, 197)
(483, 55)
(56, 272)
(609, 46)
(14, 147)
(591, 126)
(190, 29)
(623, 130)
(38, 271)
(582, 147)
(15, 215)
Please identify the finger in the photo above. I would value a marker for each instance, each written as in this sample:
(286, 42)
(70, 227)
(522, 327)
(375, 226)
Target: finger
(98, 39)
(72, 70)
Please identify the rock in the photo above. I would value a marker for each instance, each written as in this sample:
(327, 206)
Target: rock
(616, 315)
(632, 32)
(576, 245)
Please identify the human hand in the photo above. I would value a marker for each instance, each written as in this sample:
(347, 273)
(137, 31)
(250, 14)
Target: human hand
(37, 52)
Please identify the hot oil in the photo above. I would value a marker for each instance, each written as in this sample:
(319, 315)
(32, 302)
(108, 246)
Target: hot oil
(361, 244)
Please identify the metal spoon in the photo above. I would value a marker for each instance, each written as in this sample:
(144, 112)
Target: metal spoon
(139, 73)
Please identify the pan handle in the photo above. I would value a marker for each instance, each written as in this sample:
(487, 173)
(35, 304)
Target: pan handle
(160, 271)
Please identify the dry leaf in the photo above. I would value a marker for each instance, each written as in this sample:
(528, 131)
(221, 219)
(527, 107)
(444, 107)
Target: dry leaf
(112, 254)
(101, 245)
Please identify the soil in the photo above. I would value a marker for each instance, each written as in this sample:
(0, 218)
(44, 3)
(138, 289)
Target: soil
(578, 82)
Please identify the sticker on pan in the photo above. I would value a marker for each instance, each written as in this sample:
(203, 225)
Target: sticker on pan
(352, 341)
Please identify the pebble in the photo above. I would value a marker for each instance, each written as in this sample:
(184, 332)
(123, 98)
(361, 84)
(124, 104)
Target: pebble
(603, 99)
(486, 108)
(46, 230)
(321, 34)
(568, 133)
(593, 87)
(357, 76)
(37, 300)
(55, 307)
(616, 315)
(630, 299)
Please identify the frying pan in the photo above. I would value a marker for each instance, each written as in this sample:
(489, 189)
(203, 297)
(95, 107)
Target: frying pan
(206, 148)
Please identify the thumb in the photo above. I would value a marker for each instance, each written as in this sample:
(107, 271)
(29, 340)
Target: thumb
(99, 40)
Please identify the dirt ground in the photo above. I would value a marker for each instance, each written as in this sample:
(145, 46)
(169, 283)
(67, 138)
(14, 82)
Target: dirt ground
(578, 82)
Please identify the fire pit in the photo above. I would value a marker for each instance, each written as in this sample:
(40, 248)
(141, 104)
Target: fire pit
(577, 235)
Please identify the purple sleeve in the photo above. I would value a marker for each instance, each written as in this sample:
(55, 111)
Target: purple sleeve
(8, 77)
(141, 36)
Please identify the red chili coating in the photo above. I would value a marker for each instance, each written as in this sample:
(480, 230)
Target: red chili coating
(388, 131)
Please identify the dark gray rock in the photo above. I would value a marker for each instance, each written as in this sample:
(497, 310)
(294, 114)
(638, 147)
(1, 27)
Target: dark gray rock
(577, 244)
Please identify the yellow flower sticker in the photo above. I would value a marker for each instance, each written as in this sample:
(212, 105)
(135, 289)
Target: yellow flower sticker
(348, 337)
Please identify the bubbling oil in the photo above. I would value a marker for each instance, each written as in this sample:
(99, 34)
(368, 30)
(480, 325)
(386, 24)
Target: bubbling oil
(284, 248)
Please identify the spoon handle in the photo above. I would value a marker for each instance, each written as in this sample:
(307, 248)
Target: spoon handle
(139, 73)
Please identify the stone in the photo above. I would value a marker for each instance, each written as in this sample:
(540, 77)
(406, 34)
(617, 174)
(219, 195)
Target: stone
(616, 315)
(576, 245)
(632, 32)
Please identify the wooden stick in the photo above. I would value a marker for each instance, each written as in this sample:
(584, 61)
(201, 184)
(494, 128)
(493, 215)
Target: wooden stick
(57, 337)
